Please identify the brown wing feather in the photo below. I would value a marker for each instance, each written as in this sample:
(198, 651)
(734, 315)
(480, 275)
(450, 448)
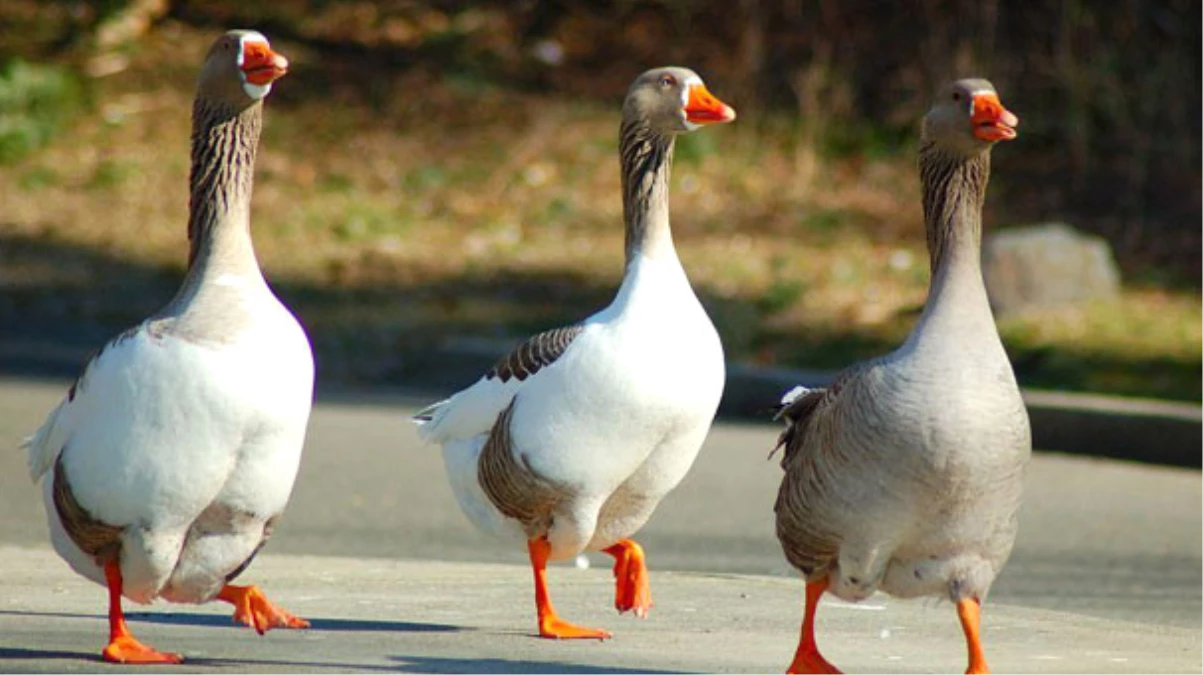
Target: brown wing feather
(807, 543)
(511, 484)
(99, 540)
(530, 356)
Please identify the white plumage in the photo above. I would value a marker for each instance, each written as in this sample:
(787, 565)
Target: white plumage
(161, 429)
(571, 441)
(621, 414)
(166, 464)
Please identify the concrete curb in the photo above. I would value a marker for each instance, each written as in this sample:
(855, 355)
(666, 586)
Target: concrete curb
(1157, 432)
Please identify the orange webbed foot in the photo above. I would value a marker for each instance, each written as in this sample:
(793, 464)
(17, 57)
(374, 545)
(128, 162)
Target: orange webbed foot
(555, 628)
(123, 647)
(251, 607)
(807, 658)
(811, 662)
(550, 623)
(633, 590)
(126, 649)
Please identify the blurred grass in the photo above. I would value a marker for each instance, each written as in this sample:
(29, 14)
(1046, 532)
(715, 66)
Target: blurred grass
(35, 101)
(449, 207)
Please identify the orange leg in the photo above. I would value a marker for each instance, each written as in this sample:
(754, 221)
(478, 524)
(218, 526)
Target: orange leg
(632, 590)
(807, 658)
(122, 646)
(252, 608)
(550, 624)
(970, 612)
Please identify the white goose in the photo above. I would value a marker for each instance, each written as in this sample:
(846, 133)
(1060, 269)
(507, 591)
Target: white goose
(172, 455)
(571, 441)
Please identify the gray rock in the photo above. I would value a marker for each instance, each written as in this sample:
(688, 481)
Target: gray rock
(1049, 265)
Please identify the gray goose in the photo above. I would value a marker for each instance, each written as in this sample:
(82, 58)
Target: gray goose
(570, 442)
(905, 475)
(166, 464)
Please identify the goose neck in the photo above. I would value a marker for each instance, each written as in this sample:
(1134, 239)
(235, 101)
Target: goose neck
(954, 190)
(646, 157)
(224, 145)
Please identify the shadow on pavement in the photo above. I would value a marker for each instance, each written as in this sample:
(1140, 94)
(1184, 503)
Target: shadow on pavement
(60, 615)
(7, 653)
(423, 664)
(352, 625)
(225, 621)
(13, 653)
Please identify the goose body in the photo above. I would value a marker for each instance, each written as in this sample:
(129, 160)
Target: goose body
(905, 475)
(571, 441)
(930, 494)
(189, 446)
(166, 464)
(621, 414)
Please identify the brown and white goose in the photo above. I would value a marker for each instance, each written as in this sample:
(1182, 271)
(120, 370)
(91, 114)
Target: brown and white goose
(169, 459)
(570, 442)
(905, 474)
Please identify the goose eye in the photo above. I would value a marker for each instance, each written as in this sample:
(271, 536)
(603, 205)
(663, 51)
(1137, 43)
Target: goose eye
(667, 81)
(956, 95)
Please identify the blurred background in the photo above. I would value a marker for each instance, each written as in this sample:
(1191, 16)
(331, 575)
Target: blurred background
(439, 179)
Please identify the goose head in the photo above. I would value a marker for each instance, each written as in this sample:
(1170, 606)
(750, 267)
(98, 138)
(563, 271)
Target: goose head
(239, 69)
(674, 100)
(967, 118)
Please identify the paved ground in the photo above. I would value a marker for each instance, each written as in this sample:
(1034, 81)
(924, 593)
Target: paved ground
(386, 615)
(1105, 577)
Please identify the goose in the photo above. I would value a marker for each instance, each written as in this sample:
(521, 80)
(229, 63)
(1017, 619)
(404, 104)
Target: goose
(905, 474)
(569, 442)
(171, 457)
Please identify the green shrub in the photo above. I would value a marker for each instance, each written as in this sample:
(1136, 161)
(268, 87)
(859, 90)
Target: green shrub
(35, 101)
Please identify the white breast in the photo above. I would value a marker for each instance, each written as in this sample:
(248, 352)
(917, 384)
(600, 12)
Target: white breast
(646, 372)
(160, 428)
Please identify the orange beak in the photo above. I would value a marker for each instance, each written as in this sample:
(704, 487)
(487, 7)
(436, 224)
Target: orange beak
(991, 121)
(261, 65)
(703, 108)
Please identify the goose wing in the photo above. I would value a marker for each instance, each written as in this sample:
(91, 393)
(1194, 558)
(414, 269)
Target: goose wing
(43, 447)
(474, 411)
(810, 462)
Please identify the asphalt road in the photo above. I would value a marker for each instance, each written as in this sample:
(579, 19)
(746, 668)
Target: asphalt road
(1105, 547)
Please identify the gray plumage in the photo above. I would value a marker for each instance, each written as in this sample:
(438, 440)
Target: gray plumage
(905, 475)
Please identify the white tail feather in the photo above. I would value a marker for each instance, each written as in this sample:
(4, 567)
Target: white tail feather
(468, 413)
(428, 420)
(43, 447)
(793, 394)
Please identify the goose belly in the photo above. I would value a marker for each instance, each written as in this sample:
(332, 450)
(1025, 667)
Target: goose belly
(461, 457)
(959, 560)
(925, 498)
(191, 448)
(624, 418)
